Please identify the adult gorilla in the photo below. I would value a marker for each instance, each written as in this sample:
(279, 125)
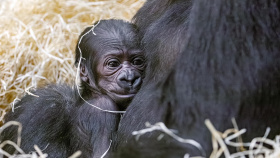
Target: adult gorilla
(230, 67)
(163, 27)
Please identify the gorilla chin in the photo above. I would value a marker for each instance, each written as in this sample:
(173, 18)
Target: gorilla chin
(121, 99)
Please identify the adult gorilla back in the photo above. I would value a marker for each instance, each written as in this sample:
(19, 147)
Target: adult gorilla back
(230, 67)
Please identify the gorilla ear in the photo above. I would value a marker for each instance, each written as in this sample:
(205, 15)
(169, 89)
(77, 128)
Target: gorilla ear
(84, 73)
(85, 76)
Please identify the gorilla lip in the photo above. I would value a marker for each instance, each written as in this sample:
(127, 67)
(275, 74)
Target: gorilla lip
(124, 95)
(121, 95)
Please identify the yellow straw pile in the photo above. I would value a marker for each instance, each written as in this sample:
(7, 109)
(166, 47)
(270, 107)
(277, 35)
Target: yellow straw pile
(38, 38)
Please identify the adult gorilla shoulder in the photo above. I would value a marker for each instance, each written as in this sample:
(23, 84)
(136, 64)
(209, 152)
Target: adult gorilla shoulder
(61, 120)
(230, 67)
(163, 27)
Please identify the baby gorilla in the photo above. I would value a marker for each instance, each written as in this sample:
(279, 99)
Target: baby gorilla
(61, 120)
(112, 61)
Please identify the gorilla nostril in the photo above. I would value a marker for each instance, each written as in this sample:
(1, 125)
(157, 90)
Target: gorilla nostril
(129, 80)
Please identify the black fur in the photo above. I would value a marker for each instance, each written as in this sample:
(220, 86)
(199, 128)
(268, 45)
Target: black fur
(163, 26)
(60, 123)
(45, 119)
(230, 67)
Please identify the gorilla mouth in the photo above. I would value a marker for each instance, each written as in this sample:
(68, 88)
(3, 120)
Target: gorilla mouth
(121, 94)
(124, 95)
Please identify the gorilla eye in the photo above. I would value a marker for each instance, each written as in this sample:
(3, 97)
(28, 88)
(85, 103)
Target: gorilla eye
(113, 63)
(138, 61)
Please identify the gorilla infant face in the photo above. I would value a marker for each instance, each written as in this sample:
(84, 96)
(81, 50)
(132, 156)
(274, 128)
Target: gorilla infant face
(120, 73)
(113, 61)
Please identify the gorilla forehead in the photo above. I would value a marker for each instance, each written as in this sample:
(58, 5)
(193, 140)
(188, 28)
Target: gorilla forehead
(108, 36)
(117, 34)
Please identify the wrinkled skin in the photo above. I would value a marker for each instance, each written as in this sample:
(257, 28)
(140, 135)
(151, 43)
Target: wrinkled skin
(120, 74)
(117, 63)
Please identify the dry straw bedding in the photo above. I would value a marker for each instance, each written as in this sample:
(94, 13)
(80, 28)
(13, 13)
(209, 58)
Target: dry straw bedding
(37, 43)
(38, 38)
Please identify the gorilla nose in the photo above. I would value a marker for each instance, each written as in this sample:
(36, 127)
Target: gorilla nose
(129, 80)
